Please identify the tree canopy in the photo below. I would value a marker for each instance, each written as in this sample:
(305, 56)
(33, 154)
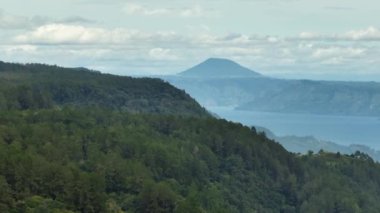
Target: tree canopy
(82, 155)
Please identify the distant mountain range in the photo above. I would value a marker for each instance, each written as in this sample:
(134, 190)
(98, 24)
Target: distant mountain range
(303, 145)
(221, 82)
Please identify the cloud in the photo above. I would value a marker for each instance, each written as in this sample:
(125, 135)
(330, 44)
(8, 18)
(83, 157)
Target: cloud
(143, 10)
(15, 22)
(75, 20)
(137, 9)
(369, 34)
(62, 34)
(239, 51)
(119, 50)
(12, 22)
(20, 49)
(196, 11)
(78, 34)
(337, 55)
(162, 54)
(338, 52)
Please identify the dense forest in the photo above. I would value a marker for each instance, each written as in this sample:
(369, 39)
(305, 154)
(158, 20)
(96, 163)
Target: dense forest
(85, 155)
(36, 86)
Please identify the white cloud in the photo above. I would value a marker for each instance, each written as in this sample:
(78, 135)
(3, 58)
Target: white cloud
(20, 49)
(162, 54)
(77, 34)
(310, 35)
(12, 22)
(60, 33)
(238, 51)
(144, 10)
(137, 9)
(332, 52)
(272, 39)
(238, 38)
(369, 34)
(123, 49)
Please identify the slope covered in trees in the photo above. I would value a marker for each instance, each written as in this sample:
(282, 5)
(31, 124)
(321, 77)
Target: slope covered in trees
(93, 160)
(34, 86)
(80, 157)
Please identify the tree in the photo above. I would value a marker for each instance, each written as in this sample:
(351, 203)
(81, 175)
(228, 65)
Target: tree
(156, 198)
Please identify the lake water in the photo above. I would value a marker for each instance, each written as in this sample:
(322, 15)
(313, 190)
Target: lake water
(343, 130)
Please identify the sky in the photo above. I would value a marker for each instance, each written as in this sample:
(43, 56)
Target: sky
(315, 39)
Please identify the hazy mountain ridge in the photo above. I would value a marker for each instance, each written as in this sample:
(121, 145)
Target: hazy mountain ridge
(290, 96)
(303, 145)
(279, 95)
(321, 97)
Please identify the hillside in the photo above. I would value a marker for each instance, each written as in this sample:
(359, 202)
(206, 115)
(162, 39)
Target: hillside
(72, 156)
(105, 161)
(34, 86)
(218, 68)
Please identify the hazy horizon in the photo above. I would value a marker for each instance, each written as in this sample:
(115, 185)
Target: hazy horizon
(306, 39)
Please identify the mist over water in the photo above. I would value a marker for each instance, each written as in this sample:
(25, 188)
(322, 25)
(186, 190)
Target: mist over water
(344, 130)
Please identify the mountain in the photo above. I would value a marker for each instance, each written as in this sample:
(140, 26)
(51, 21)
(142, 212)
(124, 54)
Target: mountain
(33, 86)
(102, 160)
(289, 96)
(318, 97)
(68, 145)
(246, 91)
(306, 144)
(219, 68)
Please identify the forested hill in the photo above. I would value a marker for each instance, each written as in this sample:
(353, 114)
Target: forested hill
(98, 160)
(34, 86)
(64, 148)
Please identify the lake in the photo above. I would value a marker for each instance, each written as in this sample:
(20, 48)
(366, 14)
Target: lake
(343, 130)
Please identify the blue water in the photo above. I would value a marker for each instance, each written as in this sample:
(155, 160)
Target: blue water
(343, 130)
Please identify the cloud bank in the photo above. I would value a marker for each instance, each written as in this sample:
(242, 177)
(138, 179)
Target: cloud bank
(131, 51)
(369, 34)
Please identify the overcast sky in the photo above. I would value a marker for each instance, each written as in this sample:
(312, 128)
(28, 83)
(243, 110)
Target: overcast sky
(319, 39)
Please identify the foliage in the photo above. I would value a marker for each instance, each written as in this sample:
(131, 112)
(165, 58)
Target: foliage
(94, 160)
(36, 86)
(64, 152)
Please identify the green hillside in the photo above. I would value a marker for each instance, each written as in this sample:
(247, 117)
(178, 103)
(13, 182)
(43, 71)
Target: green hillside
(105, 161)
(34, 86)
(83, 155)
